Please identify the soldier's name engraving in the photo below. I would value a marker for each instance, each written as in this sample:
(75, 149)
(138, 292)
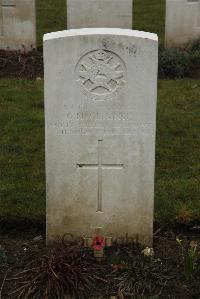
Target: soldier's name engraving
(100, 116)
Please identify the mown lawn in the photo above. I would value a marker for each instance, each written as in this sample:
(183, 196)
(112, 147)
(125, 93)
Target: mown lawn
(22, 185)
(177, 182)
(147, 16)
(51, 16)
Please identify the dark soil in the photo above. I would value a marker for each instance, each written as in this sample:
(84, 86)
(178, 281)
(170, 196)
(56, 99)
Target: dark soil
(166, 249)
(21, 65)
(19, 250)
(30, 65)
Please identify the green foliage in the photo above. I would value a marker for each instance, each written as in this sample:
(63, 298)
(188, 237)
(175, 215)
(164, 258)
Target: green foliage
(193, 46)
(145, 276)
(173, 63)
(180, 63)
(135, 273)
(190, 258)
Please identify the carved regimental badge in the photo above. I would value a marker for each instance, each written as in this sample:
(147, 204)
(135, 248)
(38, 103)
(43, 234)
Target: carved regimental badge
(101, 74)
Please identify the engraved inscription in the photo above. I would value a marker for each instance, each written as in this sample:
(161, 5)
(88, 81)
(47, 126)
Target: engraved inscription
(109, 43)
(101, 74)
(100, 166)
(101, 123)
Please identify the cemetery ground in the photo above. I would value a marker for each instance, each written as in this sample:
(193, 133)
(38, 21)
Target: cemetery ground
(177, 207)
(22, 152)
(173, 272)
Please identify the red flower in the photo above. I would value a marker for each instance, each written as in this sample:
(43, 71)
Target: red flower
(98, 243)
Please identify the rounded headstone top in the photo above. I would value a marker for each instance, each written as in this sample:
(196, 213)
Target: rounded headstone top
(100, 31)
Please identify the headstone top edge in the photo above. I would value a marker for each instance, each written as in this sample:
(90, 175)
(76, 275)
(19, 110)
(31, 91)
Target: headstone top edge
(100, 31)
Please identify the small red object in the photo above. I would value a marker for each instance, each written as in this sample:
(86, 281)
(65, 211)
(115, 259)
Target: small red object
(98, 243)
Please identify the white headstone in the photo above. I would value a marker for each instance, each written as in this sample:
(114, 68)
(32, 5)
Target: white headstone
(100, 110)
(182, 22)
(99, 13)
(17, 24)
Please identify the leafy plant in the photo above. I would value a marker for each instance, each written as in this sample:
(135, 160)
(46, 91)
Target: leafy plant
(66, 269)
(145, 277)
(180, 62)
(173, 63)
(135, 273)
(190, 257)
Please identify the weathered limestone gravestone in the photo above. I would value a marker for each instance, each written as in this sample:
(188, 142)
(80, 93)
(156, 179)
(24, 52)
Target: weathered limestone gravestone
(17, 24)
(99, 13)
(182, 21)
(100, 110)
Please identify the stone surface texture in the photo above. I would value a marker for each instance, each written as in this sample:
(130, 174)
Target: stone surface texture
(182, 22)
(99, 13)
(100, 116)
(17, 24)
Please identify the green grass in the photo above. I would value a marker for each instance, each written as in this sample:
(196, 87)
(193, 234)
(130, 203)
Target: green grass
(51, 16)
(177, 151)
(177, 184)
(22, 188)
(148, 15)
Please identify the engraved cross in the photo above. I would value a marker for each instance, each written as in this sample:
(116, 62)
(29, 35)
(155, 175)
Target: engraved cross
(100, 166)
(5, 4)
